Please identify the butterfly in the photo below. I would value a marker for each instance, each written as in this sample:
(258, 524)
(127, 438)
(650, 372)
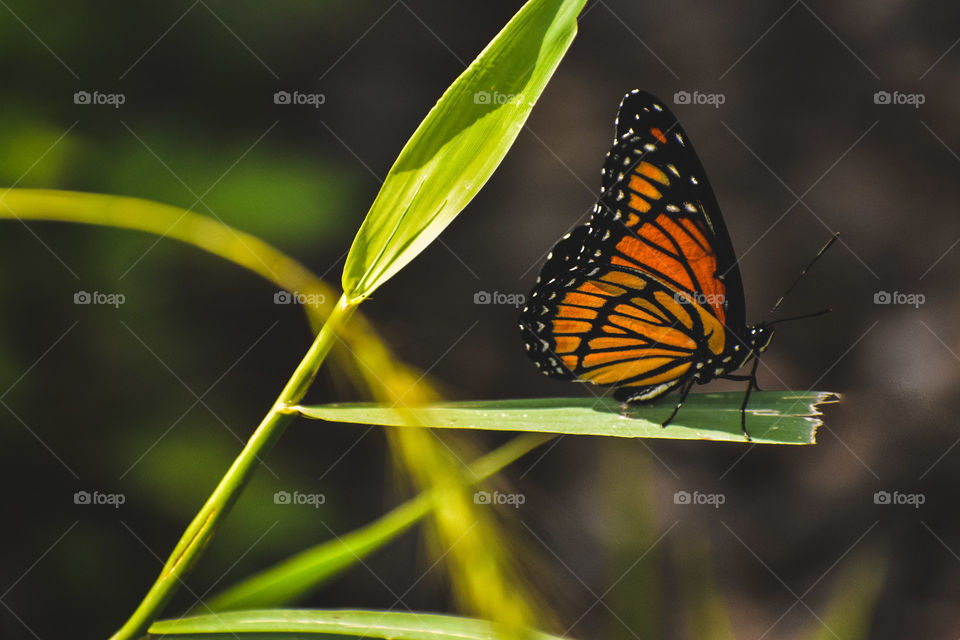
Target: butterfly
(646, 297)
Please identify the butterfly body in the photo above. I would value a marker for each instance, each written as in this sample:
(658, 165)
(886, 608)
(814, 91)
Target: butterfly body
(646, 296)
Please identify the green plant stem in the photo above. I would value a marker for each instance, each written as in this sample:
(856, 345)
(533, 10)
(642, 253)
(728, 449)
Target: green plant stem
(204, 524)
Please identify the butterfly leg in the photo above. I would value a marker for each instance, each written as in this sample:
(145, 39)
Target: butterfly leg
(746, 398)
(683, 397)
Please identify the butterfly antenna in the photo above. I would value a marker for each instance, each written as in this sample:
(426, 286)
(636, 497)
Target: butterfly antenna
(801, 317)
(800, 277)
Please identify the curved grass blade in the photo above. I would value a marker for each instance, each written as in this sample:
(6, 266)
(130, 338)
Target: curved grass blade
(166, 221)
(773, 417)
(280, 623)
(460, 143)
(295, 577)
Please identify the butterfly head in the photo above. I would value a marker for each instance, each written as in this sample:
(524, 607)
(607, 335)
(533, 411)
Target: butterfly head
(759, 337)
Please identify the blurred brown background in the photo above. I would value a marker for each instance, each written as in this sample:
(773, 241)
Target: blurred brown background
(106, 399)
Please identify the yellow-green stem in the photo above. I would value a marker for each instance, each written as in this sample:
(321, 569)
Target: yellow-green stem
(204, 524)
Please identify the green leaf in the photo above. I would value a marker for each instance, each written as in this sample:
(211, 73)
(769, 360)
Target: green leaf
(460, 143)
(279, 623)
(776, 417)
(295, 577)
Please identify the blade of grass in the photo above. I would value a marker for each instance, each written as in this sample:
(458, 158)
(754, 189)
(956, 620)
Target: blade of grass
(374, 363)
(855, 597)
(280, 623)
(445, 163)
(705, 614)
(294, 578)
(475, 547)
(198, 230)
(200, 531)
(633, 544)
(207, 234)
(776, 417)
(479, 553)
(460, 143)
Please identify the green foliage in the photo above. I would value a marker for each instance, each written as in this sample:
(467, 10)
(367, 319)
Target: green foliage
(460, 143)
(280, 623)
(775, 417)
(292, 579)
(445, 163)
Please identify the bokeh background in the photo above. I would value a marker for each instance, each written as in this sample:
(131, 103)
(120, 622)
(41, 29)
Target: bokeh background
(153, 399)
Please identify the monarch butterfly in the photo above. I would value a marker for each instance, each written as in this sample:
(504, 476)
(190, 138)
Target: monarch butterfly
(646, 296)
